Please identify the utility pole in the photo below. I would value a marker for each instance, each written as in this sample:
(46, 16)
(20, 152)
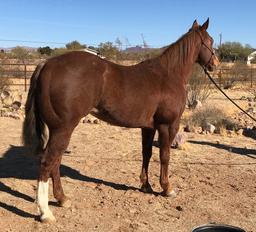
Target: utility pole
(220, 40)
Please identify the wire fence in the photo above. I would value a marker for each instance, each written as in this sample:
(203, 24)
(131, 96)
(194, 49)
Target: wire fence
(19, 75)
(231, 76)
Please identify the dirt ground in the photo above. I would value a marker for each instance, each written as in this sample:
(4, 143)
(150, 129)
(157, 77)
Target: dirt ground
(214, 177)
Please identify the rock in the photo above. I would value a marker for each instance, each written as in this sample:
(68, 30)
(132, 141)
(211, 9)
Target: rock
(5, 94)
(250, 99)
(179, 140)
(203, 132)
(196, 104)
(189, 128)
(240, 132)
(12, 115)
(90, 119)
(83, 120)
(67, 151)
(251, 110)
(209, 128)
(230, 132)
(96, 121)
(3, 111)
(250, 132)
(16, 105)
(179, 208)
(221, 130)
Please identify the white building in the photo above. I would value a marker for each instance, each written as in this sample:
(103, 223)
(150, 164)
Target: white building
(251, 57)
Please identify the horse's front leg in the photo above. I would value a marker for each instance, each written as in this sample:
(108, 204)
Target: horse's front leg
(147, 141)
(166, 135)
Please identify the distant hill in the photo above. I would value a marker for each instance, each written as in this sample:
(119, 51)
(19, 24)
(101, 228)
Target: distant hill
(136, 49)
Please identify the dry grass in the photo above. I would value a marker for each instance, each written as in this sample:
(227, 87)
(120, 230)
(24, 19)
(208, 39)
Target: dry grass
(213, 115)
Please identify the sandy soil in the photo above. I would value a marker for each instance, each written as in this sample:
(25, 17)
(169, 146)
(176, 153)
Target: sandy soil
(214, 177)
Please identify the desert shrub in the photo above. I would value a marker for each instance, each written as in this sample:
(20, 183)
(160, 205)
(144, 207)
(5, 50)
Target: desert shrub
(198, 88)
(212, 115)
(4, 83)
(239, 72)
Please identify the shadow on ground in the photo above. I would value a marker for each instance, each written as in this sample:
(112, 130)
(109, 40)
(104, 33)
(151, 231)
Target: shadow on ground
(15, 163)
(236, 150)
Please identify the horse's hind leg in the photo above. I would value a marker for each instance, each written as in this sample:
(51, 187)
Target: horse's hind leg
(147, 141)
(58, 192)
(49, 167)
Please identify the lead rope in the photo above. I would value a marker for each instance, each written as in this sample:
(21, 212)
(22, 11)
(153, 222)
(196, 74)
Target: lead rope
(216, 85)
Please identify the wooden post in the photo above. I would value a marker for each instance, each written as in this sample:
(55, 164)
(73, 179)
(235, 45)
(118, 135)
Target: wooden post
(25, 76)
(220, 76)
(251, 77)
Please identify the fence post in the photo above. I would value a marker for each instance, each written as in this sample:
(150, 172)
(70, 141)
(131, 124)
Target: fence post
(25, 76)
(220, 76)
(251, 76)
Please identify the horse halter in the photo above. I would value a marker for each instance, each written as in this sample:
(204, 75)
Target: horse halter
(204, 44)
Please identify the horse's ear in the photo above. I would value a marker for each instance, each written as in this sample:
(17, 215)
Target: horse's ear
(205, 25)
(195, 25)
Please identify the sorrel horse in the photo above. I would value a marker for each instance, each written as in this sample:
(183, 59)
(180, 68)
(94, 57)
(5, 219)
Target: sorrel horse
(150, 95)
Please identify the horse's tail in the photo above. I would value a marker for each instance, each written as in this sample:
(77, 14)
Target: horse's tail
(34, 129)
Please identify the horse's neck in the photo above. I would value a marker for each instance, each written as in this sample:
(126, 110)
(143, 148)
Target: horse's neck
(179, 66)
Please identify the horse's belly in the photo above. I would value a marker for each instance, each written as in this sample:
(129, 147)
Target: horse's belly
(131, 122)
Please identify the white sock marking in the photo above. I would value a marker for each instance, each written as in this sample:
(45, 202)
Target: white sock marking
(42, 200)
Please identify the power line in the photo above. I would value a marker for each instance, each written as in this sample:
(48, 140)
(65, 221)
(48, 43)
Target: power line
(30, 41)
(62, 43)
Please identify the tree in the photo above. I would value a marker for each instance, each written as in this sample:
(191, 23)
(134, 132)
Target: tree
(59, 51)
(108, 50)
(45, 50)
(119, 43)
(22, 55)
(145, 44)
(233, 51)
(75, 45)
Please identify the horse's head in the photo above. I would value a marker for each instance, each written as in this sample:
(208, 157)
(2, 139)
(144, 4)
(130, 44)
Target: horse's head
(206, 57)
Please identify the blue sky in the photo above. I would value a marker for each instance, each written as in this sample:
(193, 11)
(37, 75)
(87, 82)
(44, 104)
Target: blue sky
(93, 21)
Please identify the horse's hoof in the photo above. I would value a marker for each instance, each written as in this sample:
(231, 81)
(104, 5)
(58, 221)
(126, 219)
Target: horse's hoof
(47, 218)
(169, 194)
(146, 188)
(66, 203)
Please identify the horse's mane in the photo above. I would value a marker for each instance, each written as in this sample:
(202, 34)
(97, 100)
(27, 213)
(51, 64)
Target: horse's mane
(180, 52)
